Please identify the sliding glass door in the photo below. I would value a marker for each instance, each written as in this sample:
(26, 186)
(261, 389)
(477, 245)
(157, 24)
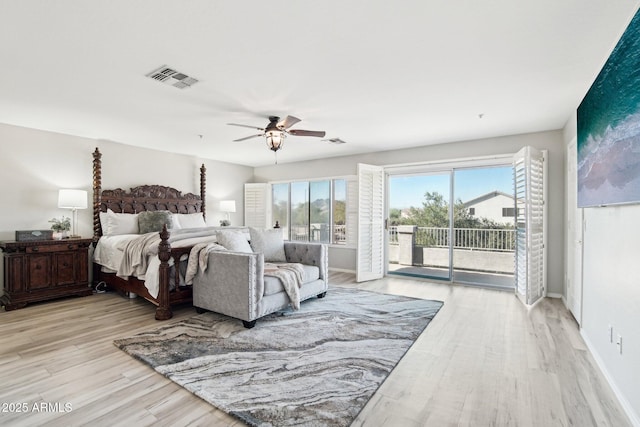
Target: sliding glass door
(453, 223)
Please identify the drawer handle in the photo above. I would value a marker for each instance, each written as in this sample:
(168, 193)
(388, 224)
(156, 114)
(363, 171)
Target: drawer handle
(72, 246)
(35, 249)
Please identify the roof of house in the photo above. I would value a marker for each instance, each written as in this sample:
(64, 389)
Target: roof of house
(487, 196)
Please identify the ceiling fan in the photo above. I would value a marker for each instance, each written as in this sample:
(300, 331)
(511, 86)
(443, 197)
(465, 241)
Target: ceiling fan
(277, 130)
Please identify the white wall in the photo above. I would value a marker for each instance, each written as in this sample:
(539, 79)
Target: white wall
(551, 141)
(611, 292)
(35, 164)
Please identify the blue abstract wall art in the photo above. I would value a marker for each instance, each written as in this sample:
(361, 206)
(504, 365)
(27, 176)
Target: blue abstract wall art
(609, 128)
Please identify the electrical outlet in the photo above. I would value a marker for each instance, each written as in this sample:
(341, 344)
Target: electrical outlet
(619, 343)
(610, 334)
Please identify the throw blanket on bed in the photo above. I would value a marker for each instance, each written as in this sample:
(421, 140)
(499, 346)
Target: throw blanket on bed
(136, 255)
(138, 252)
(292, 277)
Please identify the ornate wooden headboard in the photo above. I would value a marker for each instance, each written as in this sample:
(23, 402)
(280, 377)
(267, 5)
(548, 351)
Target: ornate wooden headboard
(142, 198)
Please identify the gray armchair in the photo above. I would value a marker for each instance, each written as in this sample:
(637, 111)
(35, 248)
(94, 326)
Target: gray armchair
(234, 283)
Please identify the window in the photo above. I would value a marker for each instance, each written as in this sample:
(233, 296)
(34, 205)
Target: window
(280, 207)
(319, 210)
(509, 212)
(311, 211)
(472, 211)
(299, 211)
(339, 211)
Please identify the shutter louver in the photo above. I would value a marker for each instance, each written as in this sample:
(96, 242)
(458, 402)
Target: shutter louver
(255, 205)
(352, 213)
(370, 251)
(530, 276)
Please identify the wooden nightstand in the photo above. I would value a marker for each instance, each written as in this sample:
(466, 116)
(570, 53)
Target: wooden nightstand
(45, 269)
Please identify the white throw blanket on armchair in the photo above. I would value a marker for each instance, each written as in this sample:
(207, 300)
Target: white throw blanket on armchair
(292, 277)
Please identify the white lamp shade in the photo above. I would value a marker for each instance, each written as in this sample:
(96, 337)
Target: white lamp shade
(72, 199)
(228, 206)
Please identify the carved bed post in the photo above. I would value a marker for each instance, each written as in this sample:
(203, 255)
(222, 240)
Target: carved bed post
(203, 189)
(163, 312)
(97, 189)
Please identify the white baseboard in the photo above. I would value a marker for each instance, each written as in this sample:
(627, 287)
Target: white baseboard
(626, 406)
(554, 295)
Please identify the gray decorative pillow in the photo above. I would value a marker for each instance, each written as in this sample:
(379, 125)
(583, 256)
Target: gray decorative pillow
(234, 241)
(152, 221)
(269, 242)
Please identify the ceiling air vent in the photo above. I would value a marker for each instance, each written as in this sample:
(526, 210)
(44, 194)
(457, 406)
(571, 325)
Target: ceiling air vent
(172, 77)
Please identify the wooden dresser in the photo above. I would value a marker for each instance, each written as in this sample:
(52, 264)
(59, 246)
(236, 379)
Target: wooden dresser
(42, 270)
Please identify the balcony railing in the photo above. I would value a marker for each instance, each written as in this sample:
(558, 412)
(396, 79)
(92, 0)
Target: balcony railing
(498, 240)
(319, 233)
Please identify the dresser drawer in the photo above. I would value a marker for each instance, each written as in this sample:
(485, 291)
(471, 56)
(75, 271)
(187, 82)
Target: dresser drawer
(60, 247)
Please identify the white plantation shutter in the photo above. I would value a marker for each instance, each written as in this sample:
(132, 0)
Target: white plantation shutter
(370, 251)
(529, 182)
(256, 205)
(352, 213)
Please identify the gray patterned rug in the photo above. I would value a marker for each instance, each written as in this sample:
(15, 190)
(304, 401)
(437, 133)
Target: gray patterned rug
(314, 367)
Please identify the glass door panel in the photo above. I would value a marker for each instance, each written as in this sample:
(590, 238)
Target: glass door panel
(483, 226)
(419, 225)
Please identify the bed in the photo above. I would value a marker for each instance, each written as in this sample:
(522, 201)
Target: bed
(146, 198)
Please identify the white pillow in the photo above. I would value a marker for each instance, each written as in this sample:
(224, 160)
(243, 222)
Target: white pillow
(194, 220)
(233, 241)
(121, 223)
(103, 222)
(269, 242)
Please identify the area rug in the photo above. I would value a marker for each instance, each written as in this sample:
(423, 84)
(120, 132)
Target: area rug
(317, 366)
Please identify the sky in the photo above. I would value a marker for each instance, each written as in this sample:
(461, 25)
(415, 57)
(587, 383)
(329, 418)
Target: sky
(408, 191)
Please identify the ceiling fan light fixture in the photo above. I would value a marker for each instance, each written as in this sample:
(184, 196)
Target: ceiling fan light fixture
(275, 139)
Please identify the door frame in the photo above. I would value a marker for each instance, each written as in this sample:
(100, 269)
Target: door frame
(438, 166)
(574, 237)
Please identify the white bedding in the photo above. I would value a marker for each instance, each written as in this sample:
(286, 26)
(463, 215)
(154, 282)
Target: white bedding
(109, 251)
(144, 261)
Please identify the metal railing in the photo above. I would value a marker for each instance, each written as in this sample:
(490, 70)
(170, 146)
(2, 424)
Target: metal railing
(488, 239)
(319, 233)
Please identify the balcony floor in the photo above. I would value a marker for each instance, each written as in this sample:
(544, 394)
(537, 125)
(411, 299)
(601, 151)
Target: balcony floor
(467, 277)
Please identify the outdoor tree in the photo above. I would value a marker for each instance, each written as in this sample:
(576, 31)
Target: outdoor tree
(434, 213)
(339, 213)
(395, 216)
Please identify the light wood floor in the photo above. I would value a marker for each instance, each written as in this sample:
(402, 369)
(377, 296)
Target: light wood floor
(485, 360)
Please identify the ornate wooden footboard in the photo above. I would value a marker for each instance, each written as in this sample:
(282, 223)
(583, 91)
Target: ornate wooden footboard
(139, 199)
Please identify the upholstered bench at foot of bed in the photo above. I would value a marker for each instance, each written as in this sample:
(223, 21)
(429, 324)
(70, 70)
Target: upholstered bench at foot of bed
(234, 283)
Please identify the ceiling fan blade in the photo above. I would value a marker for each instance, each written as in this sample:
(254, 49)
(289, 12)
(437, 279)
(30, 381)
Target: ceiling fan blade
(287, 122)
(247, 137)
(300, 132)
(245, 126)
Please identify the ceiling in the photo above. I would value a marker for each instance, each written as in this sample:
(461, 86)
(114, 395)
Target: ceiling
(378, 74)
